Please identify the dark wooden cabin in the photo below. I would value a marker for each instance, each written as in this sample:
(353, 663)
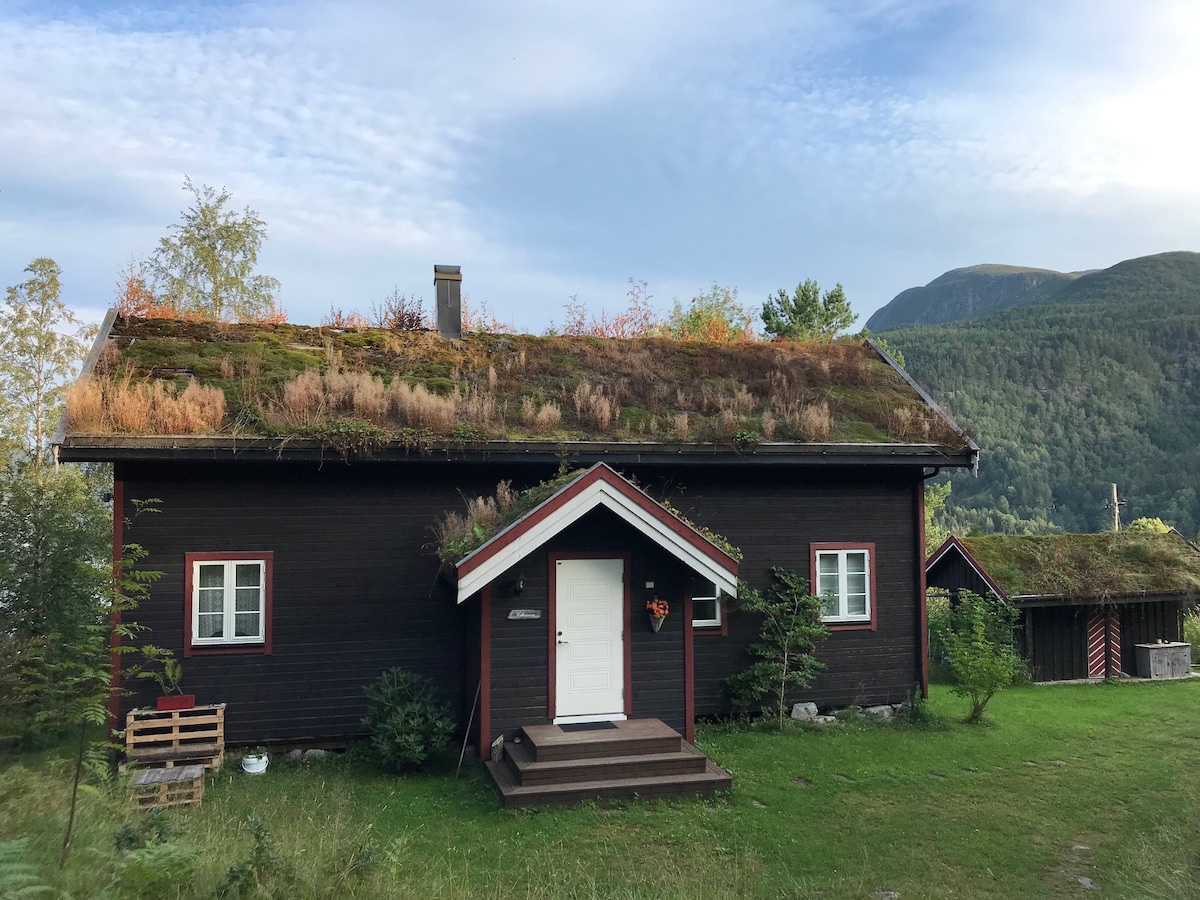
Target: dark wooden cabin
(299, 551)
(1086, 600)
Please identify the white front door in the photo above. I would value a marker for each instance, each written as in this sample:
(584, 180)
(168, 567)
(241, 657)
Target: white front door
(590, 652)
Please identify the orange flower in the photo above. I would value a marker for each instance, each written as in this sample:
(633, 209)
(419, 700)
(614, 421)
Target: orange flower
(657, 608)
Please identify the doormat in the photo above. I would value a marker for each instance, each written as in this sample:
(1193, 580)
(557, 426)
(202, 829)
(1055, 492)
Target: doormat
(587, 726)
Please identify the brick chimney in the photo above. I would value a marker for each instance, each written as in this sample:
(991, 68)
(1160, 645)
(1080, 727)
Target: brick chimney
(448, 281)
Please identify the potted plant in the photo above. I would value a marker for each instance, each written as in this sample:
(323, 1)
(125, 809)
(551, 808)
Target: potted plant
(255, 761)
(658, 610)
(167, 674)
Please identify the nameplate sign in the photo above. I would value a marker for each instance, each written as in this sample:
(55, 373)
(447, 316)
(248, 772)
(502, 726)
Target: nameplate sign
(524, 613)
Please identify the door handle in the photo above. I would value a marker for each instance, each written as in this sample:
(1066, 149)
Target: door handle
(564, 642)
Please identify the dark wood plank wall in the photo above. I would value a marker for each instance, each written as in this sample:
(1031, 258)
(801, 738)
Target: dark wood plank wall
(354, 592)
(1145, 623)
(1057, 638)
(953, 573)
(773, 516)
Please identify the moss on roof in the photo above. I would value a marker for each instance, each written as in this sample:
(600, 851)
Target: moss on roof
(507, 387)
(1089, 566)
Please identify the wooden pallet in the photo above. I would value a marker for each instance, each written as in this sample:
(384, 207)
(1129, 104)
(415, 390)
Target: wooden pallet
(175, 786)
(177, 737)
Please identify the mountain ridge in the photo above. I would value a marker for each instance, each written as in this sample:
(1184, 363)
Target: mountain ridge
(974, 292)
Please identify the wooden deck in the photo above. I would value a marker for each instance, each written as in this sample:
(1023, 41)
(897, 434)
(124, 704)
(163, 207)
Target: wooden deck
(636, 758)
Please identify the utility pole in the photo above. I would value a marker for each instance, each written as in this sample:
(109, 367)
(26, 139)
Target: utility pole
(1116, 509)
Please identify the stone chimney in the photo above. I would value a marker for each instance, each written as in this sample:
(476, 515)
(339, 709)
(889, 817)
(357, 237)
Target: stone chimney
(448, 281)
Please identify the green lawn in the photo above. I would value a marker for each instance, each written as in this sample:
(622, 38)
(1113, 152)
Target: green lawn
(1092, 781)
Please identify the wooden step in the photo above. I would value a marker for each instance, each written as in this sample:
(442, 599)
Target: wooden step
(529, 771)
(628, 738)
(711, 780)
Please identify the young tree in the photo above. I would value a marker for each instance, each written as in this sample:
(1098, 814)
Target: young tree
(807, 314)
(979, 649)
(1149, 524)
(791, 629)
(41, 343)
(936, 530)
(207, 265)
(714, 315)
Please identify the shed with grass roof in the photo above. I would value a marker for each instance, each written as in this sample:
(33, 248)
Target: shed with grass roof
(1086, 600)
(328, 508)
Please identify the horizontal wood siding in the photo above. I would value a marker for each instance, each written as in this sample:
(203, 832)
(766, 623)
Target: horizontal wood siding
(773, 517)
(355, 591)
(520, 648)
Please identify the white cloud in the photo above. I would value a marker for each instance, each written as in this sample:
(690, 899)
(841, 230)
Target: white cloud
(557, 148)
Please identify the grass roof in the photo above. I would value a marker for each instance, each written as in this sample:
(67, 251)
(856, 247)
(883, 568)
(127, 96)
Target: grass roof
(165, 377)
(1089, 566)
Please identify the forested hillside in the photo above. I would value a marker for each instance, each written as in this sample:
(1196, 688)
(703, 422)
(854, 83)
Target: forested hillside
(1100, 384)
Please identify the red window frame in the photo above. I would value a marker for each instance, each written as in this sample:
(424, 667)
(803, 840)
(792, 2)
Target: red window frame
(872, 594)
(190, 559)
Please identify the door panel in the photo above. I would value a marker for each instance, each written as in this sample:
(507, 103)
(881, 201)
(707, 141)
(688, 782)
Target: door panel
(590, 653)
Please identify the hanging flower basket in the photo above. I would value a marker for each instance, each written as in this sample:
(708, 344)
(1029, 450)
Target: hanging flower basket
(658, 610)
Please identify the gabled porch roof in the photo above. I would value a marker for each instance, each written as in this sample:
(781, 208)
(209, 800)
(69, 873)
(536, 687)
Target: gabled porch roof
(599, 486)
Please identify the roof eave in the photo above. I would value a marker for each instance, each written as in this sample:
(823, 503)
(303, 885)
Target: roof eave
(102, 448)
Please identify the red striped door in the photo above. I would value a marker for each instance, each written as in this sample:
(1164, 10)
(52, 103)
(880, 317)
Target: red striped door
(1104, 644)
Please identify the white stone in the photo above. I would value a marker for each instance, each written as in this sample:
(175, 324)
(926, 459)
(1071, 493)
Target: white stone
(879, 712)
(804, 712)
(310, 755)
(825, 720)
(294, 755)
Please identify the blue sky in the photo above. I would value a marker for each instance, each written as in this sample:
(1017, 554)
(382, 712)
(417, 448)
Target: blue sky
(555, 149)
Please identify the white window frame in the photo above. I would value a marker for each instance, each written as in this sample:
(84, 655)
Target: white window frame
(228, 600)
(841, 598)
(715, 596)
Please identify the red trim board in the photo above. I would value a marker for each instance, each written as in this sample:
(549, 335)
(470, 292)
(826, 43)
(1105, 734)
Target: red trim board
(114, 697)
(923, 637)
(485, 671)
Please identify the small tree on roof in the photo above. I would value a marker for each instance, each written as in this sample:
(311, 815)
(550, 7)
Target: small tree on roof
(806, 314)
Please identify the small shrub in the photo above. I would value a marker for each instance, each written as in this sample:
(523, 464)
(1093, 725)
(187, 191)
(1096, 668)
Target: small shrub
(1191, 633)
(916, 713)
(157, 870)
(406, 719)
(791, 629)
(979, 649)
(264, 863)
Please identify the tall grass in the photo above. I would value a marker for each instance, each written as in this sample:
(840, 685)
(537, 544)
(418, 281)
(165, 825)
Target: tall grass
(103, 406)
(1061, 786)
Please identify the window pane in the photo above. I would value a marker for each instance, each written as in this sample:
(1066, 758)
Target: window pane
(856, 605)
(245, 625)
(827, 585)
(704, 611)
(829, 605)
(210, 626)
(246, 599)
(701, 587)
(212, 576)
(212, 600)
(247, 575)
(856, 584)
(856, 562)
(827, 563)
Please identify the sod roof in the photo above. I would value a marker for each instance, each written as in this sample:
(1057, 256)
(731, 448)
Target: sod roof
(1088, 566)
(293, 381)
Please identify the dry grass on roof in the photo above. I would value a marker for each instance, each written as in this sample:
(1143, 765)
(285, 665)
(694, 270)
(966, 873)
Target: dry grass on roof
(1089, 566)
(283, 379)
